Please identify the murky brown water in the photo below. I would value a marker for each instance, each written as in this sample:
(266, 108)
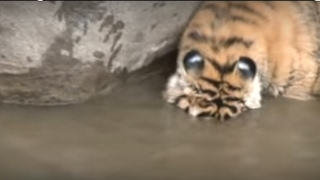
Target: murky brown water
(134, 134)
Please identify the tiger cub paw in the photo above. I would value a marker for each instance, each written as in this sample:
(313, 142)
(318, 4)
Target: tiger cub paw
(275, 90)
(253, 99)
(253, 103)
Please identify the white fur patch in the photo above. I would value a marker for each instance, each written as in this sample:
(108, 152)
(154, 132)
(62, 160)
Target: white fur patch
(253, 100)
(176, 86)
(194, 112)
(173, 81)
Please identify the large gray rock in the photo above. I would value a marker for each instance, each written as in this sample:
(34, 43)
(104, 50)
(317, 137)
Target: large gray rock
(66, 52)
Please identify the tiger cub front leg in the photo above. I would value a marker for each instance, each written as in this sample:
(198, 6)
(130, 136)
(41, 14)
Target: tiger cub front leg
(281, 65)
(304, 81)
(293, 76)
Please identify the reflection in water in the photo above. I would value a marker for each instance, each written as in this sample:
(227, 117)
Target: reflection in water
(134, 134)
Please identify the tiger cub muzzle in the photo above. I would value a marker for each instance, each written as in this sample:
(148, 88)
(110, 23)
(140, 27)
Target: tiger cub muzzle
(203, 96)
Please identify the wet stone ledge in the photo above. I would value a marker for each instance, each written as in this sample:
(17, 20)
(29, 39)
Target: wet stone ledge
(59, 52)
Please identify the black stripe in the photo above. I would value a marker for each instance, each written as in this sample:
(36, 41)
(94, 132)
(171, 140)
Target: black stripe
(246, 8)
(218, 102)
(226, 116)
(215, 49)
(205, 104)
(218, 11)
(221, 104)
(216, 65)
(226, 43)
(205, 114)
(225, 69)
(236, 18)
(224, 92)
(209, 92)
(233, 88)
(233, 109)
(214, 83)
(196, 36)
(233, 99)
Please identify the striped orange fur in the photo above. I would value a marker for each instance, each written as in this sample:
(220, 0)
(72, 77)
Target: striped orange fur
(231, 52)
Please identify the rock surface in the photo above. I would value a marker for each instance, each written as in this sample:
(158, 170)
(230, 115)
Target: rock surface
(66, 52)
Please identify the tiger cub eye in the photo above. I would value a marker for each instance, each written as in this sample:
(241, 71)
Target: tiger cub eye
(247, 67)
(193, 61)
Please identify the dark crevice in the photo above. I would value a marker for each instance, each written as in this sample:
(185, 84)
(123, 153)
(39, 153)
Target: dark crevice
(162, 66)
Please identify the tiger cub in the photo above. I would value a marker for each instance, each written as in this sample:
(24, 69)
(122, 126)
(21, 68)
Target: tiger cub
(232, 52)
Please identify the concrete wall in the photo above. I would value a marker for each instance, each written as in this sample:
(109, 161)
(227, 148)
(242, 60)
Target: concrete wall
(66, 52)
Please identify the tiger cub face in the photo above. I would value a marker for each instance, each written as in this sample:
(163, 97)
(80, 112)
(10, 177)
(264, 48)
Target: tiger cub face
(204, 88)
(231, 50)
(220, 84)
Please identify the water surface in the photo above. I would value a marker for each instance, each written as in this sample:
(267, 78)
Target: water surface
(133, 134)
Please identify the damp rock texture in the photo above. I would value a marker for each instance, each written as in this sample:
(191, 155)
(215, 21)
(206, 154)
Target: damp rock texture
(62, 52)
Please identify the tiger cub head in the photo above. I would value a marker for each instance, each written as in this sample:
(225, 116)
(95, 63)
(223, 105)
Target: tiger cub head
(208, 83)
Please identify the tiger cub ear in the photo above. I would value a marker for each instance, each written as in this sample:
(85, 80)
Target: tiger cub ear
(246, 67)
